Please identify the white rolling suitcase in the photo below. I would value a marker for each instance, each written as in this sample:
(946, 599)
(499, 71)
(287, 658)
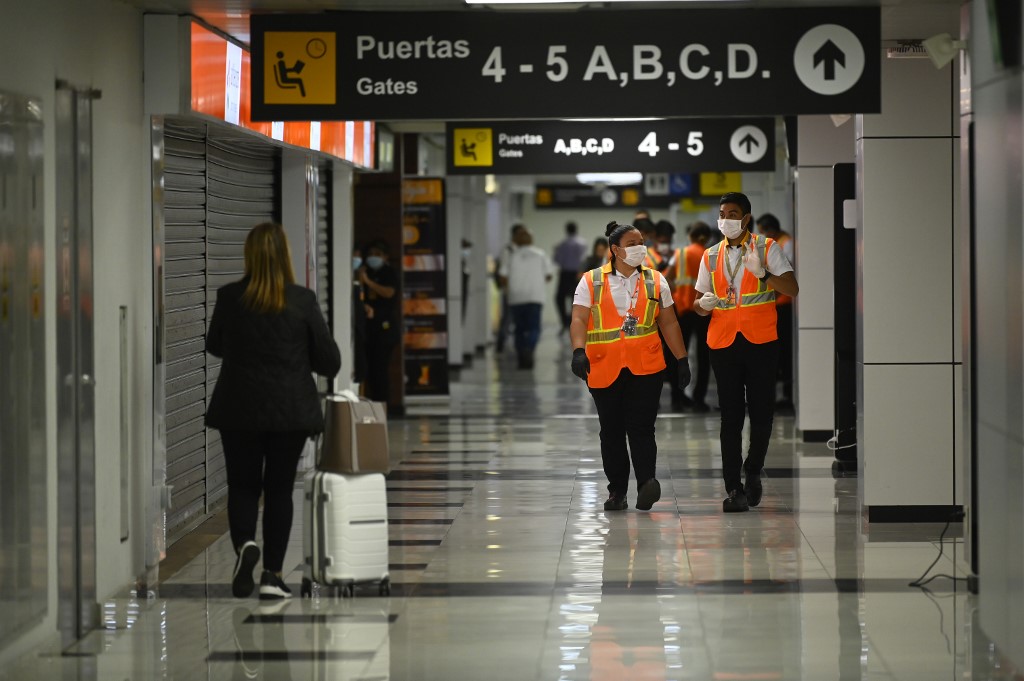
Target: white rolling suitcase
(345, 532)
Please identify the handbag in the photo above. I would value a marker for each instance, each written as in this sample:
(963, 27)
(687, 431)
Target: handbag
(355, 437)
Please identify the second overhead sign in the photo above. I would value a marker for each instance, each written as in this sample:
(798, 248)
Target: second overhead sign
(679, 145)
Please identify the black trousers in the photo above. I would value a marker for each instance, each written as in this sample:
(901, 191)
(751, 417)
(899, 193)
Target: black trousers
(746, 384)
(262, 462)
(785, 327)
(627, 409)
(695, 326)
(567, 281)
(380, 347)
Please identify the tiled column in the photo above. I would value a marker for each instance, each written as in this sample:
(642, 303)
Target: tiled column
(820, 145)
(908, 353)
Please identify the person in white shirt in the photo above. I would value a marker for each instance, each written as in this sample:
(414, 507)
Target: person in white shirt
(737, 284)
(524, 275)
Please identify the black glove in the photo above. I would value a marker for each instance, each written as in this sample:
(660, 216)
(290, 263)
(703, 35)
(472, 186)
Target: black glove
(580, 363)
(684, 372)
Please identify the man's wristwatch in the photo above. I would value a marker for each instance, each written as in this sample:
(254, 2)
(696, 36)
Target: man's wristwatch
(767, 275)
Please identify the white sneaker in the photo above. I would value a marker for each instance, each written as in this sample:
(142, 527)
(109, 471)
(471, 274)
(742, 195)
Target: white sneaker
(242, 583)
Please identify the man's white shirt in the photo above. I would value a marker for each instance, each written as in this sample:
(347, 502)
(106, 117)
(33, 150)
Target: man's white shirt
(777, 264)
(623, 291)
(527, 269)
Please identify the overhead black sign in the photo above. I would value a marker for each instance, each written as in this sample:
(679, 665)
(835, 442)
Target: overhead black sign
(680, 145)
(584, 64)
(631, 196)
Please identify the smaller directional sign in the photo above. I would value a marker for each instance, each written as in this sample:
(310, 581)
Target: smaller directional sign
(829, 59)
(655, 147)
(680, 184)
(656, 184)
(748, 144)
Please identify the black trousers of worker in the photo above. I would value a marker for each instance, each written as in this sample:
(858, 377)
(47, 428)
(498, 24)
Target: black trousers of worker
(380, 346)
(693, 324)
(262, 462)
(746, 374)
(567, 281)
(627, 410)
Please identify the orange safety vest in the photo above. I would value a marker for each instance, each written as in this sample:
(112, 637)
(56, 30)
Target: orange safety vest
(781, 298)
(752, 312)
(609, 349)
(687, 267)
(653, 258)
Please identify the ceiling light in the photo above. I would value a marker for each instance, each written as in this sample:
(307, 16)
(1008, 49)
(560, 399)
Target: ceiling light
(607, 179)
(942, 48)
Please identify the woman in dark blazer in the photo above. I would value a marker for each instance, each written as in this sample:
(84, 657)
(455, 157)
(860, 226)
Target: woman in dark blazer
(272, 337)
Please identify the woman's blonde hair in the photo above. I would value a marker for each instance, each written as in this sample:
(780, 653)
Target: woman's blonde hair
(268, 264)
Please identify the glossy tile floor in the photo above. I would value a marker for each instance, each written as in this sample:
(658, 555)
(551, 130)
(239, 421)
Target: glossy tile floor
(506, 567)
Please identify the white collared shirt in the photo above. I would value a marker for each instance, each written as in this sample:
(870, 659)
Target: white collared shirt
(777, 264)
(623, 290)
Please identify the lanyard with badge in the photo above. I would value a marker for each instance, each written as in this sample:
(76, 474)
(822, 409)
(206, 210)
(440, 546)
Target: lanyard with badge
(731, 291)
(629, 324)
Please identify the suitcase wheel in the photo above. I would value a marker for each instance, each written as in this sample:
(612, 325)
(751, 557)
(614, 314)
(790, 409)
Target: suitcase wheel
(385, 587)
(306, 590)
(348, 590)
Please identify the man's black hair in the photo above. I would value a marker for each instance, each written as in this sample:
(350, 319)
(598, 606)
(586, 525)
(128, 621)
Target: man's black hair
(380, 245)
(570, 228)
(644, 225)
(665, 228)
(700, 229)
(739, 199)
(515, 228)
(770, 222)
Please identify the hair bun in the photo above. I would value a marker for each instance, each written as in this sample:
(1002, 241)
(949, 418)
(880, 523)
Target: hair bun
(611, 227)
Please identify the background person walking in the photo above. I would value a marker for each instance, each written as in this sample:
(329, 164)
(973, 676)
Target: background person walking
(568, 256)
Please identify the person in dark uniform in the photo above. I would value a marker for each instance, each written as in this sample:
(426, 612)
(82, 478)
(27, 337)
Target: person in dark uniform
(380, 281)
(272, 336)
(358, 320)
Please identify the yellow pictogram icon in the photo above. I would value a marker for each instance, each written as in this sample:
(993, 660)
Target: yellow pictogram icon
(473, 147)
(716, 184)
(299, 67)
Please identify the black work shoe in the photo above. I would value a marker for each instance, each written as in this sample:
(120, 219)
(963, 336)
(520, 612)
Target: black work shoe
(736, 502)
(272, 587)
(616, 502)
(648, 493)
(754, 488)
(242, 583)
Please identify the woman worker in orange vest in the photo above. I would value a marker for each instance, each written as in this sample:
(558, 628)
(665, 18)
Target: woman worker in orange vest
(617, 311)
(738, 279)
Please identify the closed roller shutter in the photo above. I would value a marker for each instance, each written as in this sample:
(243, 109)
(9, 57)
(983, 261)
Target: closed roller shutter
(323, 241)
(213, 194)
(242, 193)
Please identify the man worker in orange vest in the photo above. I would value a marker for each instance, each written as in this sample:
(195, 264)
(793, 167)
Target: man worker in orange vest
(684, 267)
(617, 312)
(769, 225)
(737, 283)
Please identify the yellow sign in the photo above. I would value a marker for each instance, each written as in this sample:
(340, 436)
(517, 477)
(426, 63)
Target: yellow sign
(473, 147)
(691, 206)
(299, 67)
(716, 184)
(426, 191)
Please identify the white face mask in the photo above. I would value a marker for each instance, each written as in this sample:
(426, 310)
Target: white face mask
(731, 228)
(635, 255)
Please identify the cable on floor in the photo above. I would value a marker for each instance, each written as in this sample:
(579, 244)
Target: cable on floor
(921, 581)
